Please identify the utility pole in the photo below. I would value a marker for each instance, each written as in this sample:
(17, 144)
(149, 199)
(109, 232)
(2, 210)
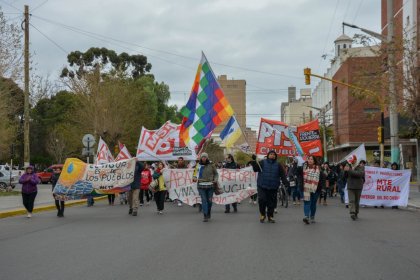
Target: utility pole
(324, 126)
(26, 151)
(393, 110)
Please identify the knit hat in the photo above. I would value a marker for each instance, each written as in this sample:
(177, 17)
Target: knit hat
(204, 155)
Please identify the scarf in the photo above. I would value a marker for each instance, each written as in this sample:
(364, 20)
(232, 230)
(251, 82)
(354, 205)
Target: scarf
(310, 181)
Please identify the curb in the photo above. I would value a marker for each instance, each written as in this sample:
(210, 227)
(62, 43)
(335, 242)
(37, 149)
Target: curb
(22, 211)
(413, 206)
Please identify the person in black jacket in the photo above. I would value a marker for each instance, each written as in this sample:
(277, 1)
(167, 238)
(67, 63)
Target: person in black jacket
(58, 204)
(133, 194)
(269, 174)
(231, 164)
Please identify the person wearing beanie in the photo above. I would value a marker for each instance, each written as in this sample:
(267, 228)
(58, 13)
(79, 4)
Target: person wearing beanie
(205, 174)
(269, 174)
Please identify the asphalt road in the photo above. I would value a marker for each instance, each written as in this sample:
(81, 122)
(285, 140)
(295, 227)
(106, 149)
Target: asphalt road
(104, 242)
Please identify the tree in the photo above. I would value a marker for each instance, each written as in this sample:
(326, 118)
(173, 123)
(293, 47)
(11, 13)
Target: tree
(10, 49)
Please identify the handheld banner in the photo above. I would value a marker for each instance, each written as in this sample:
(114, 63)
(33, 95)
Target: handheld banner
(385, 187)
(79, 180)
(274, 135)
(237, 185)
(163, 144)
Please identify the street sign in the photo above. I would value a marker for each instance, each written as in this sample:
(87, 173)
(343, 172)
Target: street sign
(86, 152)
(88, 140)
(376, 153)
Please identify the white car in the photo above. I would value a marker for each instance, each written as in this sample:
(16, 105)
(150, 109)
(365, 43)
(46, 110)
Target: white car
(6, 167)
(5, 180)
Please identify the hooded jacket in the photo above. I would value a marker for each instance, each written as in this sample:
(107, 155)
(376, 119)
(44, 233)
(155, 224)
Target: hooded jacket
(270, 173)
(29, 182)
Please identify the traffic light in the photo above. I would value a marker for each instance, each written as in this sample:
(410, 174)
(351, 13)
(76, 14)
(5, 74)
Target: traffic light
(380, 134)
(307, 73)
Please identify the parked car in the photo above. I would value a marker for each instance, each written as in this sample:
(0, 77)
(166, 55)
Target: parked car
(5, 180)
(46, 175)
(6, 167)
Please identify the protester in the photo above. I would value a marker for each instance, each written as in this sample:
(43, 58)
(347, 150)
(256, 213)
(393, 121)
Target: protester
(355, 180)
(133, 194)
(342, 181)
(292, 177)
(253, 198)
(395, 166)
(325, 185)
(123, 198)
(269, 174)
(313, 181)
(58, 204)
(160, 193)
(146, 179)
(332, 181)
(180, 165)
(231, 164)
(29, 181)
(205, 174)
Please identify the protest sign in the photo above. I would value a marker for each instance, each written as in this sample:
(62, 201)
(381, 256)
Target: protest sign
(103, 155)
(274, 135)
(163, 144)
(237, 185)
(78, 179)
(385, 187)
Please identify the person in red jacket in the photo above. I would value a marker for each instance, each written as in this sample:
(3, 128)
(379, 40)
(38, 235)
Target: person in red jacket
(145, 180)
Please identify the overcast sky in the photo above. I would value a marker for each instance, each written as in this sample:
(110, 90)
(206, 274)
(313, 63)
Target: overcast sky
(265, 42)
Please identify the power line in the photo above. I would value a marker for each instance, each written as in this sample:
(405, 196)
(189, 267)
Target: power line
(10, 5)
(85, 32)
(49, 39)
(39, 6)
(329, 31)
(357, 11)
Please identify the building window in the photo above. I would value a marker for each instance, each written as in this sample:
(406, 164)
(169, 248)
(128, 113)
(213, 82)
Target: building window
(344, 46)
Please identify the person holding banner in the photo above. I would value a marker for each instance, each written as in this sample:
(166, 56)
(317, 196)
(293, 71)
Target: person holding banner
(313, 179)
(270, 172)
(133, 194)
(58, 204)
(146, 179)
(205, 174)
(355, 180)
(160, 193)
(231, 164)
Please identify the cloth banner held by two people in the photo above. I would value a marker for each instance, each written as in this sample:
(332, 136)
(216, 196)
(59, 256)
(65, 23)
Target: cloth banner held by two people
(237, 185)
(79, 180)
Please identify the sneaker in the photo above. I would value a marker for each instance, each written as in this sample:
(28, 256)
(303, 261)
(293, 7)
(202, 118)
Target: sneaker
(294, 203)
(353, 217)
(29, 215)
(134, 213)
(160, 212)
(141, 204)
(255, 202)
(275, 210)
(179, 203)
(298, 203)
(312, 220)
(130, 211)
(271, 220)
(262, 219)
(306, 220)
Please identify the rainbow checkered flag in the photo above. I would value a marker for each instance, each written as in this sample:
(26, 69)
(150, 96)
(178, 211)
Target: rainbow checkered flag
(206, 108)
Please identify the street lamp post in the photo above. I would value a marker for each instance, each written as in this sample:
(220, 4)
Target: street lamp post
(393, 98)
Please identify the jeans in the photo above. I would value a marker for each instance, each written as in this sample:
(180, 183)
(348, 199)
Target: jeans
(28, 201)
(309, 207)
(206, 195)
(111, 199)
(267, 201)
(295, 193)
(341, 192)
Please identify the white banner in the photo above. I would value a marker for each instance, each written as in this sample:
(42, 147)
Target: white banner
(237, 184)
(103, 155)
(385, 187)
(163, 144)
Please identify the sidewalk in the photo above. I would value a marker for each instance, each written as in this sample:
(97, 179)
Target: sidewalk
(414, 197)
(44, 201)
